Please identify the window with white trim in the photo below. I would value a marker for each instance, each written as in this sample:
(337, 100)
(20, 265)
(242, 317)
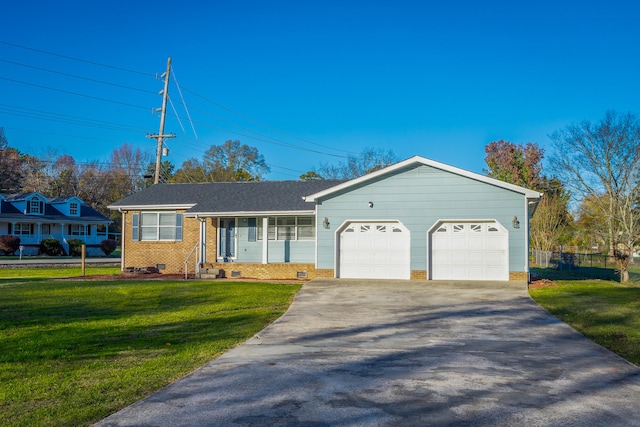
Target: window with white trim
(77, 230)
(289, 228)
(73, 209)
(23, 229)
(35, 206)
(158, 226)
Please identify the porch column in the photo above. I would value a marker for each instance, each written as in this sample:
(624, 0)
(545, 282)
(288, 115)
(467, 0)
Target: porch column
(39, 233)
(122, 238)
(203, 242)
(265, 240)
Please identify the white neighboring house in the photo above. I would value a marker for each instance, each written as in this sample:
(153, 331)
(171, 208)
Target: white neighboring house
(33, 217)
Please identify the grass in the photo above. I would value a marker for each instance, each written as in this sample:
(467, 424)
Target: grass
(11, 275)
(74, 351)
(605, 311)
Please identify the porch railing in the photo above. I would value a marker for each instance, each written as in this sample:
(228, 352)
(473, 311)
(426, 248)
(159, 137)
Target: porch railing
(186, 261)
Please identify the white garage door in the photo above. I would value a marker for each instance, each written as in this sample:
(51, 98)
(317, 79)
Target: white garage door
(374, 250)
(469, 251)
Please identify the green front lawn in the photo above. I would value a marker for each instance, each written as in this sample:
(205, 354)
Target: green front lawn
(605, 311)
(72, 352)
(11, 275)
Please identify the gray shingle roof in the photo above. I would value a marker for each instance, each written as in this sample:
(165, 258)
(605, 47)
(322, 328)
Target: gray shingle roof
(8, 212)
(213, 197)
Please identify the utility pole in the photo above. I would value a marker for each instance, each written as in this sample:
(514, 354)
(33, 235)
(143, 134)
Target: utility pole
(163, 112)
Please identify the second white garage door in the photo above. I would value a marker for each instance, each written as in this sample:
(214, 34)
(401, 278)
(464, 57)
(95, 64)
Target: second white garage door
(469, 251)
(374, 250)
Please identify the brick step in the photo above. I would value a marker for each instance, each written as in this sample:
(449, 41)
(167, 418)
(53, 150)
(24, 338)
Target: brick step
(210, 272)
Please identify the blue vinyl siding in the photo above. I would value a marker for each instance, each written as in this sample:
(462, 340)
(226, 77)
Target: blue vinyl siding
(419, 196)
(294, 251)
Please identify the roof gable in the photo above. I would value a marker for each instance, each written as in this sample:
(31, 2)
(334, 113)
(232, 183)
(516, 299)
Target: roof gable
(18, 197)
(67, 199)
(417, 160)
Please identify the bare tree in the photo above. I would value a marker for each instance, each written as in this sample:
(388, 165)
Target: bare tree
(65, 180)
(128, 168)
(602, 161)
(369, 160)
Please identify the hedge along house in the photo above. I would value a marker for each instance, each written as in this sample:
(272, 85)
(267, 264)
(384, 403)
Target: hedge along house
(417, 219)
(33, 217)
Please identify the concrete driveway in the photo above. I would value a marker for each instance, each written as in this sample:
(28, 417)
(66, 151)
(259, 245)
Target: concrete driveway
(404, 353)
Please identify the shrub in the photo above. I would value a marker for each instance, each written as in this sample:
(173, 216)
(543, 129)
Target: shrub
(51, 247)
(108, 246)
(75, 247)
(9, 244)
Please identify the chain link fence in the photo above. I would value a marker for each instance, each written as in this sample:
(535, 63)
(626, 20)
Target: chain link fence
(574, 261)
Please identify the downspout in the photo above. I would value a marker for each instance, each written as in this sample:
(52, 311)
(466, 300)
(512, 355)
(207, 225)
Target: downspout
(122, 237)
(526, 239)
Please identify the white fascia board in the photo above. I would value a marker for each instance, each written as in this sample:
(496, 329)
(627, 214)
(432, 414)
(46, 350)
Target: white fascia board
(149, 207)
(250, 213)
(427, 162)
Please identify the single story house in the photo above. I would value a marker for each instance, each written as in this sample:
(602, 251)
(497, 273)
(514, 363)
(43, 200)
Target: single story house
(417, 219)
(33, 217)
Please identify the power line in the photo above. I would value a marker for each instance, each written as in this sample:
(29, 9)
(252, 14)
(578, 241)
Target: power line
(56, 133)
(269, 140)
(74, 93)
(264, 125)
(74, 120)
(76, 77)
(65, 118)
(76, 59)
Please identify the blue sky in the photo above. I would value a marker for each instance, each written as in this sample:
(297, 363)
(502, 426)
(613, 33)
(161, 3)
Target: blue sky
(309, 82)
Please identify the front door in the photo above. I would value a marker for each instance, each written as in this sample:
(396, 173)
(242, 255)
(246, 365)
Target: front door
(227, 244)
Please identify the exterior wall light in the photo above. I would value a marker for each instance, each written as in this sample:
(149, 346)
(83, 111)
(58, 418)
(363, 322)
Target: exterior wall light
(325, 222)
(370, 204)
(515, 222)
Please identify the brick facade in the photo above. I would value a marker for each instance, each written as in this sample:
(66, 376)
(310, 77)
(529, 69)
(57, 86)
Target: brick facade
(171, 255)
(518, 276)
(418, 275)
(278, 271)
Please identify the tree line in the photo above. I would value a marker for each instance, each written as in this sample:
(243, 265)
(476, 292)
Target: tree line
(590, 188)
(592, 191)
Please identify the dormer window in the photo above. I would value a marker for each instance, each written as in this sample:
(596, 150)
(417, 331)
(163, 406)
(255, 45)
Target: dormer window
(73, 209)
(35, 206)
